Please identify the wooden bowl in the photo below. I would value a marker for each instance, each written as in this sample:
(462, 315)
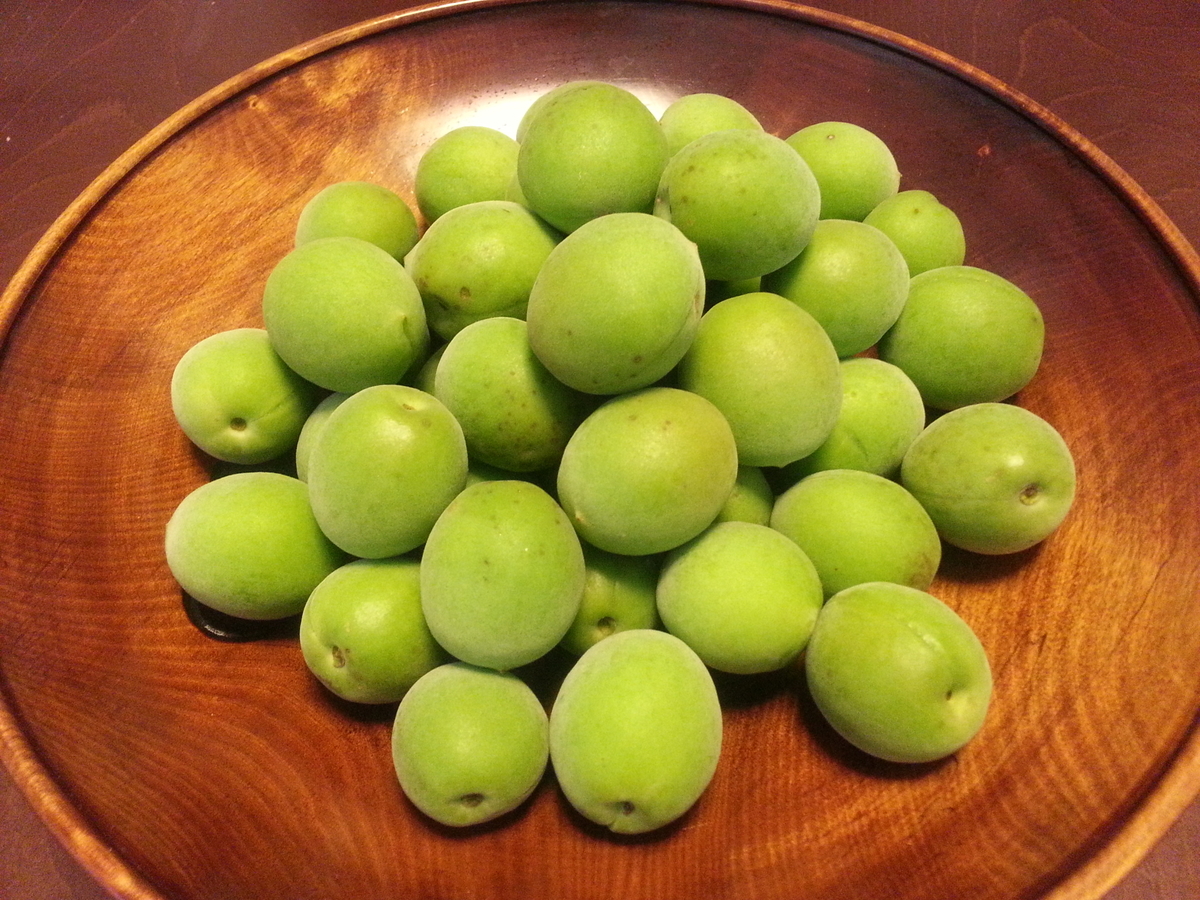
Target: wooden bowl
(175, 765)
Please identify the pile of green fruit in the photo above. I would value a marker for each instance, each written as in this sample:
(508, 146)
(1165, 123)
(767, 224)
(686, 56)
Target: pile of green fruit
(655, 392)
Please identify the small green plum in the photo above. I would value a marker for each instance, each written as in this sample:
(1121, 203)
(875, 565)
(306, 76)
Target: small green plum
(469, 744)
(465, 165)
(311, 428)
(695, 115)
(618, 595)
(927, 233)
(360, 209)
(854, 167)
(752, 498)
(237, 400)
(856, 527)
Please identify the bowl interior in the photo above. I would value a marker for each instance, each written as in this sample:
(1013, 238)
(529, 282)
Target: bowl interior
(218, 769)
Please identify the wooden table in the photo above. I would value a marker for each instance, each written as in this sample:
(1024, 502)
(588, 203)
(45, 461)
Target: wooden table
(80, 81)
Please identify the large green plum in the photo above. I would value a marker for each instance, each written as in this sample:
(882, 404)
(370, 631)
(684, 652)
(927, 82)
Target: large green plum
(344, 314)
(881, 415)
(502, 575)
(469, 744)
(237, 400)
(618, 595)
(591, 148)
(927, 233)
(995, 478)
(854, 167)
(247, 545)
(311, 428)
(747, 200)
(616, 303)
(468, 164)
(966, 335)
(647, 471)
(478, 260)
(898, 673)
(771, 370)
(635, 731)
(362, 632)
(514, 414)
(360, 209)
(851, 278)
(695, 115)
(385, 464)
(743, 596)
(543, 100)
(856, 527)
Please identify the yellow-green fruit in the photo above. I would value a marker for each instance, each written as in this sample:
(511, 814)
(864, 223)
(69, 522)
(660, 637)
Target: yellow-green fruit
(635, 731)
(854, 167)
(751, 500)
(248, 545)
(618, 595)
(616, 304)
(359, 209)
(502, 575)
(695, 115)
(465, 165)
(344, 314)
(591, 149)
(927, 233)
(312, 427)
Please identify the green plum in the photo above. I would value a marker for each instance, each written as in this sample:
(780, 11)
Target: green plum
(591, 149)
(478, 260)
(851, 278)
(426, 374)
(744, 596)
(856, 527)
(545, 99)
(502, 575)
(469, 744)
(465, 165)
(635, 731)
(237, 400)
(747, 200)
(966, 335)
(771, 370)
(928, 234)
(514, 414)
(344, 314)
(362, 632)
(618, 595)
(752, 498)
(898, 673)
(854, 167)
(311, 428)
(247, 545)
(881, 415)
(647, 471)
(360, 209)
(995, 478)
(616, 304)
(385, 464)
(695, 115)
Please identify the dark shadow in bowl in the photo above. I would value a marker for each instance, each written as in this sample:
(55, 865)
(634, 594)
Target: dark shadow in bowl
(964, 567)
(740, 692)
(231, 629)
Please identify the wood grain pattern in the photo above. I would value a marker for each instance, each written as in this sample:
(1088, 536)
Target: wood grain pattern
(173, 748)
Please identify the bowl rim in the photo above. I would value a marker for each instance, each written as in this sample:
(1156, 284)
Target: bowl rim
(1098, 867)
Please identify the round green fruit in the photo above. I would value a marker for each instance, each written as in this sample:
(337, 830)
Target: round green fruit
(752, 498)
(995, 478)
(359, 209)
(695, 115)
(927, 233)
(898, 673)
(854, 167)
(465, 165)
(247, 545)
(237, 400)
(312, 427)
(618, 595)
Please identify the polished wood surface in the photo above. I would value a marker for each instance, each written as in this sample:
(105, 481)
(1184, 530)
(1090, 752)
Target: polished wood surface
(1092, 747)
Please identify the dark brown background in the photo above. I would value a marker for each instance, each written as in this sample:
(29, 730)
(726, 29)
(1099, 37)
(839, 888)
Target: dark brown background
(81, 80)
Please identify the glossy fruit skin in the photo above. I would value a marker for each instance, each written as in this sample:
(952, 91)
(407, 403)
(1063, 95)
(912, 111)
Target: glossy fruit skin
(469, 744)
(994, 477)
(966, 335)
(647, 471)
(858, 527)
(743, 596)
(771, 370)
(502, 575)
(591, 149)
(898, 673)
(237, 400)
(344, 314)
(746, 199)
(385, 464)
(360, 209)
(362, 632)
(928, 233)
(854, 167)
(248, 545)
(616, 304)
(469, 164)
(635, 731)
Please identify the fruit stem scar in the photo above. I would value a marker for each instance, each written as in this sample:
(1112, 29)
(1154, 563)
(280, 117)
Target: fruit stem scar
(339, 657)
(1030, 493)
(237, 424)
(471, 800)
